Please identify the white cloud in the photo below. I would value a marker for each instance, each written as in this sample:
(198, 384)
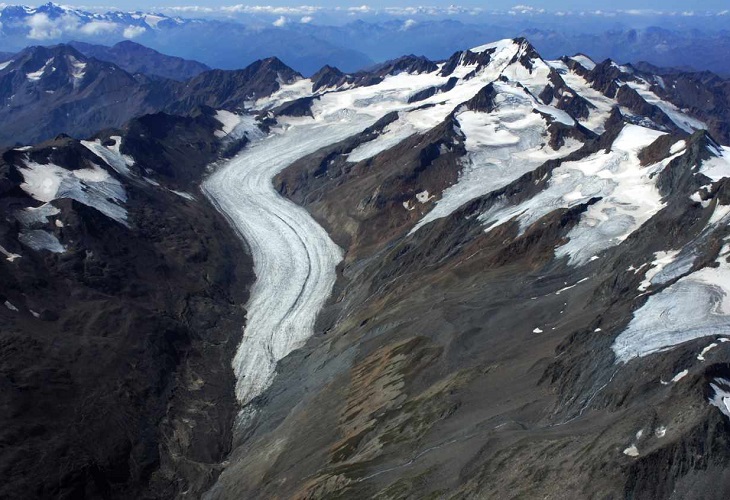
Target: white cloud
(306, 19)
(280, 22)
(269, 9)
(362, 9)
(44, 28)
(133, 31)
(408, 24)
(525, 9)
(98, 27)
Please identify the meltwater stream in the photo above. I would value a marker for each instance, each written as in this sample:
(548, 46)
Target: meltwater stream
(294, 258)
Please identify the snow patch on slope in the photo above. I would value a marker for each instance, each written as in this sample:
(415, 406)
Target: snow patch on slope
(392, 135)
(93, 187)
(38, 239)
(698, 305)
(584, 61)
(111, 155)
(721, 395)
(718, 167)
(681, 119)
(36, 75)
(229, 121)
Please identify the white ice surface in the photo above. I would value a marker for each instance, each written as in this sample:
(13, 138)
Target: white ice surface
(661, 260)
(229, 121)
(602, 105)
(632, 451)
(717, 167)
(37, 215)
(392, 135)
(499, 45)
(677, 147)
(5, 64)
(697, 305)
(721, 395)
(629, 197)
(111, 155)
(91, 186)
(584, 61)
(681, 119)
(705, 350)
(10, 257)
(36, 75)
(38, 239)
(679, 376)
(78, 69)
(501, 146)
(183, 194)
(294, 258)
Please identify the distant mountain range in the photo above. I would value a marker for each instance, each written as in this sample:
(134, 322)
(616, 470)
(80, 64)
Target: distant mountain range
(360, 38)
(136, 58)
(45, 91)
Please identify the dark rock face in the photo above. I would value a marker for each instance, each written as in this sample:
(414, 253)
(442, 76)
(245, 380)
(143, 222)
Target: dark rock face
(328, 77)
(432, 91)
(603, 77)
(483, 101)
(297, 107)
(47, 91)
(408, 64)
(626, 96)
(116, 352)
(705, 95)
(564, 97)
(231, 89)
(135, 58)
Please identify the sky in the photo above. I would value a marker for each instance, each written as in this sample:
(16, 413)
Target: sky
(550, 5)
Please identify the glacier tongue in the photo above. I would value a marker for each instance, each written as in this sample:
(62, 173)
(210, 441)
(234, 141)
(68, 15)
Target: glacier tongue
(294, 258)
